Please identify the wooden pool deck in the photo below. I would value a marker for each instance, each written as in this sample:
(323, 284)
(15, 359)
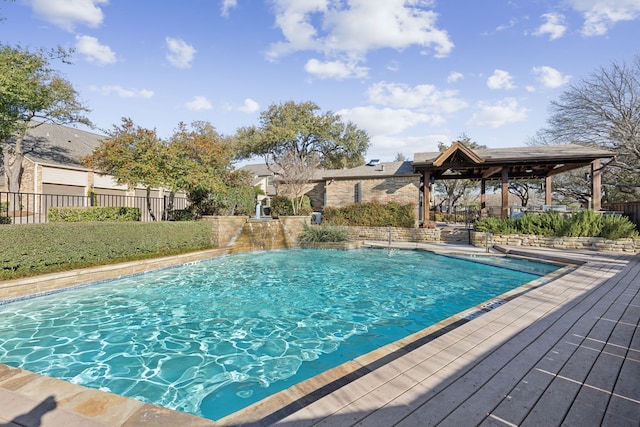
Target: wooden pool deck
(564, 353)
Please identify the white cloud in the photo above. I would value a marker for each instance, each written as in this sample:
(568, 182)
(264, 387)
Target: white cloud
(335, 69)
(249, 106)
(94, 51)
(387, 121)
(500, 79)
(122, 92)
(601, 15)
(66, 14)
(180, 52)
(228, 5)
(424, 97)
(499, 114)
(351, 28)
(454, 76)
(554, 26)
(550, 77)
(198, 103)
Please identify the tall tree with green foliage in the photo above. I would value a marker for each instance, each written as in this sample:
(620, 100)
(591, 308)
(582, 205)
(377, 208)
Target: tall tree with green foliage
(131, 154)
(294, 137)
(198, 160)
(301, 129)
(31, 93)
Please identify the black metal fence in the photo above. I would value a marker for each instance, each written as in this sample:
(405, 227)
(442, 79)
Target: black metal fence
(32, 208)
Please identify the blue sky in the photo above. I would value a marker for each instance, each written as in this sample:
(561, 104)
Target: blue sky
(411, 73)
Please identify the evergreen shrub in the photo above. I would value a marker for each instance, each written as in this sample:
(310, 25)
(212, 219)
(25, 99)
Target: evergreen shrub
(323, 234)
(92, 214)
(586, 223)
(372, 214)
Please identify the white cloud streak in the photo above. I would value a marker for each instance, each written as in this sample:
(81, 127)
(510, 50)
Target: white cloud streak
(227, 5)
(66, 14)
(550, 77)
(198, 103)
(500, 79)
(249, 106)
(554, 26)
(338, 70)
(180, 53)
(601, 15)
(93, 51)
(122, 92)
(499, 114)
(347, 30)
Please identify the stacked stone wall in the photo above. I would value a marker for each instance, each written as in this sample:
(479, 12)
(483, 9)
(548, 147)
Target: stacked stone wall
(398, 234)
(591, 243)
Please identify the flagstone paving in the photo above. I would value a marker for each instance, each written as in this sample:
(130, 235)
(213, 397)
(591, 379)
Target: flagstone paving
(563, 353)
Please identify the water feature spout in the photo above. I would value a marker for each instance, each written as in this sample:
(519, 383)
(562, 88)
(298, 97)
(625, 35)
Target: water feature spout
(258, 209)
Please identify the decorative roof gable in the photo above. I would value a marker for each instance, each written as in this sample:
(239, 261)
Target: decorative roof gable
(458, 153)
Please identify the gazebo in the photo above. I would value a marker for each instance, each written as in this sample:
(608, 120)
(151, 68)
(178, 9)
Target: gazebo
(503, 164)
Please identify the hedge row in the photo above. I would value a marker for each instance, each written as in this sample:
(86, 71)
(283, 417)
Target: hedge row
(92, 213)
(33, 249)
(586, 223)
(372, 214)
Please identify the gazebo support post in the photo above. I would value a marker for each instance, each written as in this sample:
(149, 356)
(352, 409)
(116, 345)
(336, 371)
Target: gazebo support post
(547, 190)
(426, 196)
(596, 185)
(505, 193)
(483, 198)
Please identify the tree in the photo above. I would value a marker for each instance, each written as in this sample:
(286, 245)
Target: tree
(131, 154)
(31, 93)
(295, 176)
(294, 137)
(198, 161)
(603, 110)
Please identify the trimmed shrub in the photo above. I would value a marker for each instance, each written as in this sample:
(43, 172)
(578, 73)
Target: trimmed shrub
(92, 214)
(373, 214)
(323, 234)
(33, 249)
(282, 206)
(586, 223)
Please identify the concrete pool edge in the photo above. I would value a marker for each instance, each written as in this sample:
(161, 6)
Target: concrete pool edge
(83, 401)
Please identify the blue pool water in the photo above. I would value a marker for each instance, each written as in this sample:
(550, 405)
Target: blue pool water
(213, 337)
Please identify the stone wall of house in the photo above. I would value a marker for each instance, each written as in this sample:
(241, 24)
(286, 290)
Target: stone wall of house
(482, 239)
(398, 234)
(403, 190)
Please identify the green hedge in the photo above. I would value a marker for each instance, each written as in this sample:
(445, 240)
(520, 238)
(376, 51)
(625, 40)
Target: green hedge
(372, 214)
(92, 214)
(33, 249)
(586, 223)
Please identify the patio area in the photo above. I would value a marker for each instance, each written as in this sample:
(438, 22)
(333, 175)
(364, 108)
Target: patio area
(562, 353)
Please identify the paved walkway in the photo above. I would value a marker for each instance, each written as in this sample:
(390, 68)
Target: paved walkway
(563, 353)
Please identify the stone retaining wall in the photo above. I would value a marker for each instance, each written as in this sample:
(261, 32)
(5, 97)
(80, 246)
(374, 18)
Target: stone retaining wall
(398, 234)
(482, 239)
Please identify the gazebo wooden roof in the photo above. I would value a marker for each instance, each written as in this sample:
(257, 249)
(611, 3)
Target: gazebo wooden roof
(532, 162)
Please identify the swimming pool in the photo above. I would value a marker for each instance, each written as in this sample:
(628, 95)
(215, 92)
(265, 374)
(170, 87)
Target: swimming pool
(213, 337)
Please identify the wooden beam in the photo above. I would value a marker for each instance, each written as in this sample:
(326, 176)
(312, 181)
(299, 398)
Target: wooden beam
(505, 192)
(426, 196)
(547, 190)
(491, 171)
(596, 185)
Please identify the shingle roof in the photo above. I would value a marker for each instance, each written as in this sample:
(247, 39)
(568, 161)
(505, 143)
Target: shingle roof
(382, 169)
(59, 145)
(523, 153)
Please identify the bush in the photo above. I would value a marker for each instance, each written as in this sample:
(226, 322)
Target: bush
(92, 214)
(586, 223)
(282, 206)
(44, 248)
(373, 214)
(5, 219)
(229, 201)
(323, 234)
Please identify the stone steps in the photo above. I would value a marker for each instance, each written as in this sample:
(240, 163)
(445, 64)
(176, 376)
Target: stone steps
(454, 235)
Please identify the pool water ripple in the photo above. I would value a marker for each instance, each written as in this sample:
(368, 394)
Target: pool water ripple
(212, 337)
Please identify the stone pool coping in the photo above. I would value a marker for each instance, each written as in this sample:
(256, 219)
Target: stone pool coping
(21, 390)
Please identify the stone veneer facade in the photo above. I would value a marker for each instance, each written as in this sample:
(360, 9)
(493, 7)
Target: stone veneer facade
(398, 234)
(482, 239)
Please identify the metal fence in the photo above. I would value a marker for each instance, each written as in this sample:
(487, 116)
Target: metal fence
(32, 208)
